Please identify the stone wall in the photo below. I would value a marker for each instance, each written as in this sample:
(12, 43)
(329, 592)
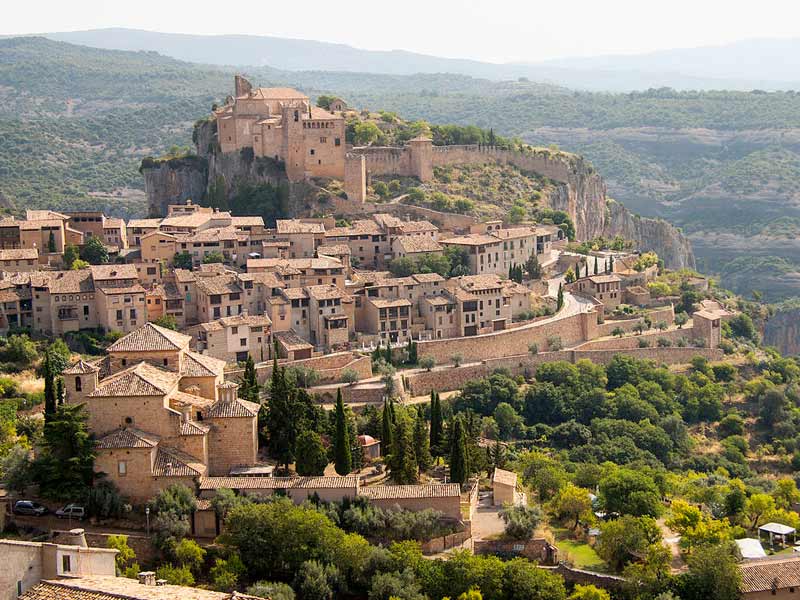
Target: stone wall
(329, 367)
(462, 539)
(651, 337)
(572, 330)
(537, 549)
(443, 379)
(575, 576)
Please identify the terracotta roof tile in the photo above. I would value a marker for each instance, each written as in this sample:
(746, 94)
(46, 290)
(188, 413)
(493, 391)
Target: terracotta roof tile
(120, 588)
(761, 575)
(430, 490)
(115, 272)
(199, 365)
(151, 337)
(271, 483)
(19, 254)
(140, 380)
(128, 438)
(80, 368)
(230, 410)
(171, 462)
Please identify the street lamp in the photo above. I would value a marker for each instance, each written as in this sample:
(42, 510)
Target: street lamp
(147, 517)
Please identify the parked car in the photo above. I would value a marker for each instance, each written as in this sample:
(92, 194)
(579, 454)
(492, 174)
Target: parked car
(28, 507)
(71, 511)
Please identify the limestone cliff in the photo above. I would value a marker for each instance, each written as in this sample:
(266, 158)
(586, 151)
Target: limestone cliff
(782, 330)
(583, 196)
(173, 181)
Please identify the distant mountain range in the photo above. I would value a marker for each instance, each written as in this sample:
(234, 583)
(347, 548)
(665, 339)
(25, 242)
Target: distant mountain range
(769, 64)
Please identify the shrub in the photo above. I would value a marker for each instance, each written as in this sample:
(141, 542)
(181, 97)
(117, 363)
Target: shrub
(521, 521)
(456, 359)
(533, 349)
(175, 575)
(274, 590)
(663, 343)
(427, 362)
(554, 343)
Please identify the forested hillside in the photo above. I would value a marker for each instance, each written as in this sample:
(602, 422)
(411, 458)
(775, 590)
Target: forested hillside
(722, 165)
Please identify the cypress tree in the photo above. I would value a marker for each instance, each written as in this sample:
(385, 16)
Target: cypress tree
(458, 452)
(386, 428)
(413, 358)
(422, 447)
(389, 357)
(281, 418)
(560, 300)
(342, 456)
(436, 424)
(611, 264)
(595, 265)
(49, 389)
(59, 391)
(403, 462)
(249, 389)
(392, 412)
(51, 243)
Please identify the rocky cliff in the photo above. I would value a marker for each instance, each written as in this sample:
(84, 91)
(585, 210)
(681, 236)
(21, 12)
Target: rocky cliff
(582, 194)
(173, 181)
(782, 330)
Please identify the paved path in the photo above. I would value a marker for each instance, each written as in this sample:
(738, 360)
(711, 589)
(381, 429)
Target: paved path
(486, 522)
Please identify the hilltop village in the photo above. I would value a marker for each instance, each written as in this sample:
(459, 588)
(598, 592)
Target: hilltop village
(238, 360)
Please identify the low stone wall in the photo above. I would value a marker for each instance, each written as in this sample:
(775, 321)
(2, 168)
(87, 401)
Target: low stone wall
(146, 553)
(583, 577)
(668, 356)
(460, 539)
(630, 342)
(329, 367)
(537, 549)
(664, 313)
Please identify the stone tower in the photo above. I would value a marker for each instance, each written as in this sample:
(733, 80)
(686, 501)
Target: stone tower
(294, 140)
(355, 177)
(242, 87)
(421, 158)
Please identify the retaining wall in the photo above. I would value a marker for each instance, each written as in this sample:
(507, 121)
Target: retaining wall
(453, 378)
(329, 367)
(629, 342)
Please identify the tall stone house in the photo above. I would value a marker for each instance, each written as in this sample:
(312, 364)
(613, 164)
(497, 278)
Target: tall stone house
(161, 413)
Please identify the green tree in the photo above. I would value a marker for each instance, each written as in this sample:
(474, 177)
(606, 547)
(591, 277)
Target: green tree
(64, 468)
(183, 260)
(403, 461)
(167, 322)
(533, 267)
(349, 376)
(189, 554)
(79, 264)
(437, 425)
(94, 252)
(508, 421)
(459, 467)
(125, 555)
(50, 400)
(312, 458)
(281, 416)
(250, 389)
(402, 266)
(175, 575)
(572, 503)
(51, 243)
(365, 133)
(387, 428)
(569, 276)
(589, 592)
(521, 521)
(626, 539)
(560, 298)
(422, 442)
(412, 352)
(274, 590)
(312, 582)
(342, 453)
(523, 580)
(213, 257)
(756, 507)
(630, 492)
(71, 254)
(713, 573)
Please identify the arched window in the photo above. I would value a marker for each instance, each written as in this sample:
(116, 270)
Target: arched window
(78, 384)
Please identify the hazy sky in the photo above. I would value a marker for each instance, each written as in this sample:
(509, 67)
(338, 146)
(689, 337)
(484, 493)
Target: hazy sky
(494, 30)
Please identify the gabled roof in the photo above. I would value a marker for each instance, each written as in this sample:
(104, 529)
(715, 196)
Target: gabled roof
(267, 483)
(140, 380)
(762, 575)
(151, 337)
(115, 272)
(171, 462)
(127, 438)
(398, 492)
(199, 365)
(230, 410)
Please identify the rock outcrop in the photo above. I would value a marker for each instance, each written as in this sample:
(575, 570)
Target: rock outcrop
(782, 330)
(173, 181)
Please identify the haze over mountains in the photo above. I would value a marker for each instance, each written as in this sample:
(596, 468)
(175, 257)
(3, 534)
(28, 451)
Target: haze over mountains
(770, 64)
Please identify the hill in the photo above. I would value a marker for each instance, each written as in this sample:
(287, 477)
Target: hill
(766, 64)
(722, 165)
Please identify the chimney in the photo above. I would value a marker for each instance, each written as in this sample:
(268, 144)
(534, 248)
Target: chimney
(226, 391)
(147, 577)
(77, 537)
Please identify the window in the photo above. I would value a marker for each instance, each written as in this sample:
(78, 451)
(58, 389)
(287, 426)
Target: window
(133, 314)
(78, 384)
(243, 341)
(122, 468)
(337, 141)
(85, 310)
(66, 563)
(234, 330)
(119, 315)
(166, 362)
(311, 152)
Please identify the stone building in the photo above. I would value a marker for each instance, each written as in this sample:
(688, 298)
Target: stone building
(161, 413)
(281, 124)
(233, 339)
(772, 577)
(25, 563)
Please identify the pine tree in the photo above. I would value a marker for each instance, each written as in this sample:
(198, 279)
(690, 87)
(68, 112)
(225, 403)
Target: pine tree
(413, 358)
(458, 452)
(389, 357)
(50, 400)
(342, 456)
(422, 448)
(497, 455)
(560, 300)
(386, 429)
